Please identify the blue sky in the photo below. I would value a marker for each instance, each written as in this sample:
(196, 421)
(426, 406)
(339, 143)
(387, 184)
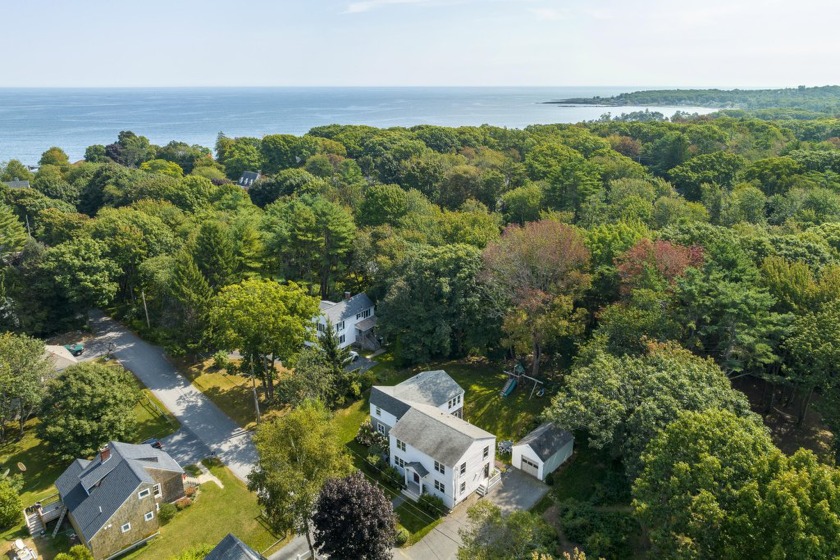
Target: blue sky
(90, 43)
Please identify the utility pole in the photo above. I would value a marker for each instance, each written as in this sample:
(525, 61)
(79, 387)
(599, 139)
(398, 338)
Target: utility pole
(146, 309)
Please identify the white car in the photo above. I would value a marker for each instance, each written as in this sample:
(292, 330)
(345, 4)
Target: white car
(352, 357)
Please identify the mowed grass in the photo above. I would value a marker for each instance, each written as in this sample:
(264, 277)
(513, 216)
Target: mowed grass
(234, 394)
(216, 512)
(153, 420)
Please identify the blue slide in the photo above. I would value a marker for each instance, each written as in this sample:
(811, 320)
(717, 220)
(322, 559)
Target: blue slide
(509, 387)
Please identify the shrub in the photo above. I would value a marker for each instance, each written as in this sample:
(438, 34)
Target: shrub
(232, 369)
(367, 380)
(192, 470)
(401, 537)
(167, 512)
(220, 360)
(211, 462)
(183, 503)
(373, 460)
(393, 477)
(190, 491)
(368, 436)
(606, 534)
(10, 505)
(549, 479)
(432, 505)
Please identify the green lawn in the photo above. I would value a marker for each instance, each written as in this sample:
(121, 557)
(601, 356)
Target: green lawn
(216, 512)
(153, 420)
(415, 521)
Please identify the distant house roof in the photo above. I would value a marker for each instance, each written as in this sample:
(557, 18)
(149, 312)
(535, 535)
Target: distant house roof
(17, 184)
(346, 308)
(231, 548)
(438, 434)
(60, 357)
(546, 440)
(433, 388)
(94, 490)
(248, 178)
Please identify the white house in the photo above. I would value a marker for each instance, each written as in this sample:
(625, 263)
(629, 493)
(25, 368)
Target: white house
(543, 450)
(436, 450)
(353, 319)
(432, 388)
(440, 454)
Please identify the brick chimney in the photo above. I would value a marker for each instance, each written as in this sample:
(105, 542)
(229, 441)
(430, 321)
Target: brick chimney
(346, 295)
(104, 454)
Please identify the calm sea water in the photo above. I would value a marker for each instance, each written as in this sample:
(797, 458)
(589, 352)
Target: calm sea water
(32, 120)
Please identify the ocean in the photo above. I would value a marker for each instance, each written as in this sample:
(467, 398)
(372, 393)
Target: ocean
(32, 120)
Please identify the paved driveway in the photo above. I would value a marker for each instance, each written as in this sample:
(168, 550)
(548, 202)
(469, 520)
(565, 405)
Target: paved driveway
(202, 419)
(517, 491)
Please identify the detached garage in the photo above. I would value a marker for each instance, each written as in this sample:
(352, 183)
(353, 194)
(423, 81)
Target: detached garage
(543, 450)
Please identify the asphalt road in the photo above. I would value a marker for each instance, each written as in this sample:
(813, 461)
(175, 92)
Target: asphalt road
(203, 423)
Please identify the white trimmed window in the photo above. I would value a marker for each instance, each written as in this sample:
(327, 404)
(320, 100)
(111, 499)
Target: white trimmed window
(339, 327)
(380, 428)
(126, 528)
(378, 411)
(322, 327)
(149, 516)
(144, 493)
(486, 452)
(341, 339)
(398, 461)
(440, 486)
(439, 467)
(401, 445)
(463, 487)
(463, 468)
(157, 491)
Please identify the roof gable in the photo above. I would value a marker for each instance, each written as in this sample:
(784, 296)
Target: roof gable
(346, 308)
(438, 434)
(432, 388)
(546, 440)
(231, 548)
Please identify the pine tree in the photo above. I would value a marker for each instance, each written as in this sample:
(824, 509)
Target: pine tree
(12, 233)
(214, 254)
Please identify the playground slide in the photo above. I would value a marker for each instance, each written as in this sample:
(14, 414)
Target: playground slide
(509, 387)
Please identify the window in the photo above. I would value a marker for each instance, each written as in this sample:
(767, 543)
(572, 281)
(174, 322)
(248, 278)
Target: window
(459, 400)
(157, 491)
(341, 339)
(440, 468)
(380, 428)
(143, 493)
(451, 402)
(322, 327)
(401, 445)
(363, 314)
(398, 461)
(463, 468)
(463, 487)
(126, 528)
(486, 452)
(440, 486)
(339, 326)
(149, 516)
(378, 411)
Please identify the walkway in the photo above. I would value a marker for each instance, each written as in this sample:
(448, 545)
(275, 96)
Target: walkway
(198, 414)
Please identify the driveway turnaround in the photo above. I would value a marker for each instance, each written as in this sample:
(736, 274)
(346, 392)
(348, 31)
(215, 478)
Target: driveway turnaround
(199, 417)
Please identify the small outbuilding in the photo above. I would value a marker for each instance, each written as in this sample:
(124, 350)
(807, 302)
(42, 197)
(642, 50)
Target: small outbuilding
(542, 451)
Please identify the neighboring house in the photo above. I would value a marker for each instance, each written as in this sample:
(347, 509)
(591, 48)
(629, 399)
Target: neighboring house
(542, 451)
(17, 184)
(432, 388)
(231, 548)
(437, 451)
(112, 501)
(353, 319)
(248, 179)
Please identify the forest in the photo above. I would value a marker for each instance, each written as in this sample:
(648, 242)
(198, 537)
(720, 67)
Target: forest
(639, 267)
(824, 99)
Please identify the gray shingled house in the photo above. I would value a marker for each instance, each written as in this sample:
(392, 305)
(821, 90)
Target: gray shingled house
(112, 501)
(231, 548)
(543, 450)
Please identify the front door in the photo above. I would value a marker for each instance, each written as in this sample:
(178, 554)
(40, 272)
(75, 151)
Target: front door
(417, 478)
(487, 470)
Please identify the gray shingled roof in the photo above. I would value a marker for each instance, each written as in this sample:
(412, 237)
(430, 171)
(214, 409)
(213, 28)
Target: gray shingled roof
(248, 178)
(346, 308)
(433, 388)
(546, 440)
(94, 490)
(231, 548)
(418, 467)
(438, 434)
(384, 399)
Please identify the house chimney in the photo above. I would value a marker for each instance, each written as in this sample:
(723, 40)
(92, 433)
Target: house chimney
(104, 454)
(346, 295)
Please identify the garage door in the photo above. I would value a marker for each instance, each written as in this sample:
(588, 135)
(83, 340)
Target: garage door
(530, 467)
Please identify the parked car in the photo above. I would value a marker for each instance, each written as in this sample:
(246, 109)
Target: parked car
(75, 349)
(352, 357)
(154, 442)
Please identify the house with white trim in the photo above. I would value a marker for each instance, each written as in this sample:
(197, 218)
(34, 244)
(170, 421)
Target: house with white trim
(436, 450)
(353, 320)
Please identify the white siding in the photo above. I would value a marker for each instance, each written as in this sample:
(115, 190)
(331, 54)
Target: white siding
(459, 405)
(546, 467)
(452, 479)
(349, 330)
(384, 417)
